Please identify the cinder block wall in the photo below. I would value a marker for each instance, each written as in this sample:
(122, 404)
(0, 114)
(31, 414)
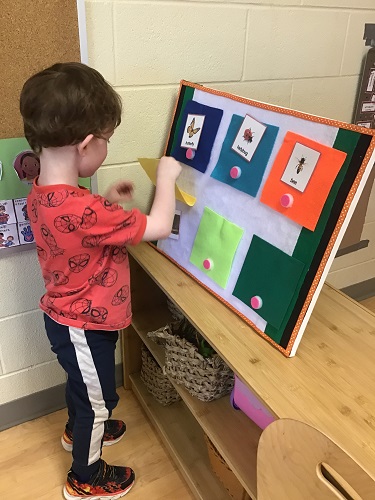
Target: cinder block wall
(304, 54)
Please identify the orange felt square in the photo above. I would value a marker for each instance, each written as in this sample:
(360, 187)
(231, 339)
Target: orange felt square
(301, 179)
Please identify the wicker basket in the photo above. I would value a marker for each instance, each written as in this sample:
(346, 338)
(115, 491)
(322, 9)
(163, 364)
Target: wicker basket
(155, 381)
(205, 378)
(177, 315)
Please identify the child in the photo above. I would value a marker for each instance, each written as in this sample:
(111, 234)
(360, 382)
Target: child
(70, 113)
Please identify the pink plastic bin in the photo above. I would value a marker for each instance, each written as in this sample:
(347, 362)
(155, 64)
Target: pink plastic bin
(243, 399)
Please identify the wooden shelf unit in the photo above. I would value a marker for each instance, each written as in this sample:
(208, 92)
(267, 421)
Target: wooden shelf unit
(184, 441)
(326, 385)
(224, 426)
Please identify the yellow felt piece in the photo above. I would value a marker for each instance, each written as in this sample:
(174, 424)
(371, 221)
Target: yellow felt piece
(149, 165)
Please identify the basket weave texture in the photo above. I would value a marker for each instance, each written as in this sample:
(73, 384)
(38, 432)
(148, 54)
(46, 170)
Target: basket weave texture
(156, 381)
(205, 378)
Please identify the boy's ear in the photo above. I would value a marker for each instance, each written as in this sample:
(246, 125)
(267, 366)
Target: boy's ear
(82, 146)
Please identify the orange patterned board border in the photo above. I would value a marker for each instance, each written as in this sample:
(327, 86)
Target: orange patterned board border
(348, 201)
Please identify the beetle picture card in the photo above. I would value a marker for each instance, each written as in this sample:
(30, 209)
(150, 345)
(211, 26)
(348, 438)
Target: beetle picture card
(248, 137)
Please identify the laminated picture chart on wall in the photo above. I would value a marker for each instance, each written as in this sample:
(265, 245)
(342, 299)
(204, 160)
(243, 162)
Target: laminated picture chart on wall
(18, 168)
(263, 201)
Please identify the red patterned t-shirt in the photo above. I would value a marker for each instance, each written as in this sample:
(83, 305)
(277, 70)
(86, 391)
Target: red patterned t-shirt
(81, 242)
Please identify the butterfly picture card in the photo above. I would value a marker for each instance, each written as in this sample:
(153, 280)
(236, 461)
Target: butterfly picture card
(196, 134)
(192, 131)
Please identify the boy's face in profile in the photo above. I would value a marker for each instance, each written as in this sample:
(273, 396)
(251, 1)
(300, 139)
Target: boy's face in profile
(94, 154)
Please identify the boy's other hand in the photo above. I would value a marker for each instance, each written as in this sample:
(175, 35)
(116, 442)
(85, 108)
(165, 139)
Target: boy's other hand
(168, 168)
(120, 192)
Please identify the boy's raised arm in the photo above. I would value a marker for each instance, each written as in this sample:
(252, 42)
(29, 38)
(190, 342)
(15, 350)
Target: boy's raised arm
(160, 219)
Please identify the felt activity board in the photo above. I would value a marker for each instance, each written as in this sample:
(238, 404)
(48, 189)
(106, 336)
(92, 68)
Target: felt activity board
(262, 203)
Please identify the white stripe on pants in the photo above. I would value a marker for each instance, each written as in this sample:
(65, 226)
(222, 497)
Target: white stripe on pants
(94, 390)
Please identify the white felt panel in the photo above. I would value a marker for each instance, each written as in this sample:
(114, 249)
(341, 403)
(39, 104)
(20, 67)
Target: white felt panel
(241, 209)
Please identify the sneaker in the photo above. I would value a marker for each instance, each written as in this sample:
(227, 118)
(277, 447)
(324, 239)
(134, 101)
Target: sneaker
(114, 430)
(110, 481)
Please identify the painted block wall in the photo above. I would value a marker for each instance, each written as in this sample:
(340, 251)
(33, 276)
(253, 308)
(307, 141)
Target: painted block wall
(304, 54)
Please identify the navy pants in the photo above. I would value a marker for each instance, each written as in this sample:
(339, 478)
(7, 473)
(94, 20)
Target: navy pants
(88, 357)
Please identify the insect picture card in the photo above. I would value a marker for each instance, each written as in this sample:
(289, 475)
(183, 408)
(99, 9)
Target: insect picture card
(248, 137)
(197, 130)
(265, 259)
(300, 167)
(193, 131)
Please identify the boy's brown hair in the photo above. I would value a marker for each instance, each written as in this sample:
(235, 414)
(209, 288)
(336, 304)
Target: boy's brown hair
(63, 104)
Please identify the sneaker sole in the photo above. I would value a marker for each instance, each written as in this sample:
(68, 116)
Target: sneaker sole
(69, 447)
(67, 495)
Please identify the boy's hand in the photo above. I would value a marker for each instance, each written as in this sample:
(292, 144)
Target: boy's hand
(120, 192)
(168, 168)
(160, 219)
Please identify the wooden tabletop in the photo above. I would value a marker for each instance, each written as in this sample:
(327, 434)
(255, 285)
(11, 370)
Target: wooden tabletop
(329, 384)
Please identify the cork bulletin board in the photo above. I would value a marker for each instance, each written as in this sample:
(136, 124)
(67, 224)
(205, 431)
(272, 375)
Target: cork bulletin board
(33, 36)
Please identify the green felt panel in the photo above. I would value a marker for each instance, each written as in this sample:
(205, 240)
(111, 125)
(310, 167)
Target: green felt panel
(308, 241)
(217, 239)
(272, 275)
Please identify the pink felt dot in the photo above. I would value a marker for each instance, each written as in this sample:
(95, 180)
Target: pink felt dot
(190, 153)
(208, 264)
(256, 302)
(286, 200)
(235, 172)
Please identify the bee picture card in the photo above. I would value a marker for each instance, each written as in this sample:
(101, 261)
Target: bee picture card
(248, 137)
(262, 234)
(300, 167)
